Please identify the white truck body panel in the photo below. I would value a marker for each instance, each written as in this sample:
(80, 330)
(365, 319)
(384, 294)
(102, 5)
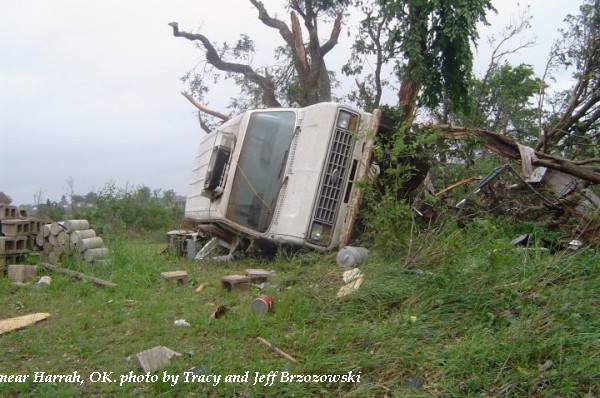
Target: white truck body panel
(300, 197)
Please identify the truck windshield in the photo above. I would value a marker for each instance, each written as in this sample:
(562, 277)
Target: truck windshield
(260, 169)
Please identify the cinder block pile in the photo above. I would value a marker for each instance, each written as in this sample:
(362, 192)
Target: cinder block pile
(70, 237)
(17, 234)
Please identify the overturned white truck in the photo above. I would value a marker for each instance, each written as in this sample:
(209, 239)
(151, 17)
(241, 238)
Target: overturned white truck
(281, 176)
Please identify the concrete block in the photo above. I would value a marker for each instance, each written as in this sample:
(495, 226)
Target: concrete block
(257, 275)
(235, 282)
(180, 276)
(35, 226)
(22, 273)
(6, 259)
(13, 244)
(8, 212)
(14, 227)
(31, 243)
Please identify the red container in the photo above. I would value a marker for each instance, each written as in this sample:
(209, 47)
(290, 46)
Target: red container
(261, 305)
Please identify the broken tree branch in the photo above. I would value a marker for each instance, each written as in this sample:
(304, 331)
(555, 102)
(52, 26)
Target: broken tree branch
(333, 37)
(274, 23)
(508, 148)
(298, 47)
(204, 108)
(457, 184)
(78, 275)
(213, 58)
(276, 350)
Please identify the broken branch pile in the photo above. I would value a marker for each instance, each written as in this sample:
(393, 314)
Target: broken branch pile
(567, 180)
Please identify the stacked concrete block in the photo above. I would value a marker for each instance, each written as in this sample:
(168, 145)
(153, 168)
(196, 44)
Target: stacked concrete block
(20, 234)
(15, 231)
(50, 241)
(8, 212)
(70, 237)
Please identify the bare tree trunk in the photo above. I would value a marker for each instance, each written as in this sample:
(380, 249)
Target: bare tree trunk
(407, 97)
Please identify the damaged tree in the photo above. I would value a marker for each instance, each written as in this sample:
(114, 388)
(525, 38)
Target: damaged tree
(505, 147)
(308, 76)
(575, 132)
(430, 45)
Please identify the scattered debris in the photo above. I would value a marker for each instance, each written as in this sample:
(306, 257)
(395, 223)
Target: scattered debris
(352, 279)
(350, 255)
(238, 282)
(155, 358)
(504, 390)
(181, 277)
(575, 244)
(181, 322)
(261, 305)
(199, 288)
(196, 370)
(414, 381)
(6, 325)
(262, 286)
(230, 243)
(366, 342)
(520, 240)
(350, 287)
(182, 242)
(276, 350)
(351, 275)
(44, 281)
(78, 275)
(546, 366)
(216, 314)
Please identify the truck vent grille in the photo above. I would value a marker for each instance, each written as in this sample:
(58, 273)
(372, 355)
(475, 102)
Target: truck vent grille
(335, 173)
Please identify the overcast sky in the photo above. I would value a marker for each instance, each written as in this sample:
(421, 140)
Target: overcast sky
(89, 90)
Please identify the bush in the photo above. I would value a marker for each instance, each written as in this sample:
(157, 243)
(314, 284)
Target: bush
(135, 209)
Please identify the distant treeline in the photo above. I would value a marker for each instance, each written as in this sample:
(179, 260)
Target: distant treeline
(131, 208)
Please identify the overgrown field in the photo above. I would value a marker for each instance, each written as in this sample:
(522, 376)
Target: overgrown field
(462, 313)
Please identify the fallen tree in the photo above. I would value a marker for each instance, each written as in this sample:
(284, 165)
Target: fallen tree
(506, 147)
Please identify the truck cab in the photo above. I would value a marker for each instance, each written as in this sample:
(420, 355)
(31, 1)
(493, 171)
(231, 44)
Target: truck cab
(282, 176)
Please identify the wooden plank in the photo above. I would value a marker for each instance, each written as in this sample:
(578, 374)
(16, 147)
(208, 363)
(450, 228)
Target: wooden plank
(6, 325)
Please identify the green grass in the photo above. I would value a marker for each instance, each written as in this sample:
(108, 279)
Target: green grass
(462, 313)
